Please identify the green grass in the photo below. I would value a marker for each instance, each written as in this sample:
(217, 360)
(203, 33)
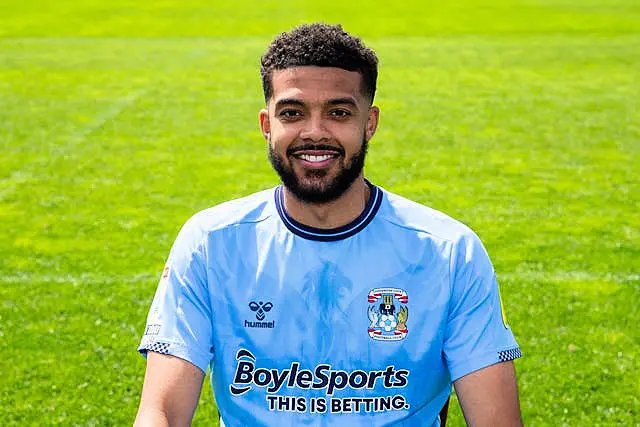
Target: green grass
(120, 120)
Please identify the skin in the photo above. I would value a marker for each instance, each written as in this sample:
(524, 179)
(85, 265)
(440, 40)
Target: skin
(170, 392)
(320, 106)
(489, 396)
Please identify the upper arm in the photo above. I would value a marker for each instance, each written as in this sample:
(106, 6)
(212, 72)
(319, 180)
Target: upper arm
(489, 396)
(180, 319)
(476, 334)
(170, 392)
(478, 344)
(178, 337)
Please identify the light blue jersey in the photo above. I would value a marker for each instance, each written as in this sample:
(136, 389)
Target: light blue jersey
(364, 325)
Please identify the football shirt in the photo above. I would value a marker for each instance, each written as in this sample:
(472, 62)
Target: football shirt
(367, 324)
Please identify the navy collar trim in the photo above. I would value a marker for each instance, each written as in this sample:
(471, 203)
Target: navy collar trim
(332, 234)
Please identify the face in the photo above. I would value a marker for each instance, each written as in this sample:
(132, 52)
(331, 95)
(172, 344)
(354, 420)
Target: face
(317, 124)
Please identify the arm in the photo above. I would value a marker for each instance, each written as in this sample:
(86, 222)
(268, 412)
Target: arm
(170, 392)
(479, 345)
(489, 396)
(178, 338)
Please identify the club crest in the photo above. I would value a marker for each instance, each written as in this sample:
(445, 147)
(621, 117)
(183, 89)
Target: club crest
(388, 314)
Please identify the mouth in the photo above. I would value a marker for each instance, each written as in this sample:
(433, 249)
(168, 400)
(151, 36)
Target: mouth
(315, 157)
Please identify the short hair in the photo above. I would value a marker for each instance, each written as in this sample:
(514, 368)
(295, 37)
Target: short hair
(320, 45)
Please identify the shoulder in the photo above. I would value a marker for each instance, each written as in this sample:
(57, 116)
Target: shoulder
(251, 209)
(404, 213)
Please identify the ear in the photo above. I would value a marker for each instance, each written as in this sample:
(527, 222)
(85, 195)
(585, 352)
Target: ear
(372, 122)
(265, 124)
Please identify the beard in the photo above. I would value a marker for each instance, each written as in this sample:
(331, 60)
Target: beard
(315, 186)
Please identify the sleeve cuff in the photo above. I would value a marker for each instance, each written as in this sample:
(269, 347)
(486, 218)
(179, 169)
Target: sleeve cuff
(475, 363)
(199, 359)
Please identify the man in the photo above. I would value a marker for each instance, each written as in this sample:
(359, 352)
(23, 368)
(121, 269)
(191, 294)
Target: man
(327, 300)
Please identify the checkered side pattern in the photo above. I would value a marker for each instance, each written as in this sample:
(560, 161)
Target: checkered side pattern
(158, 347)
(512, 353)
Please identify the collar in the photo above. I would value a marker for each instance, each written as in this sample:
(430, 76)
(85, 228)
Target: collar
(331, 234)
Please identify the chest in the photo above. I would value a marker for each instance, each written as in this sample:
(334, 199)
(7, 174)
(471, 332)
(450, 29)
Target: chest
(353, 300)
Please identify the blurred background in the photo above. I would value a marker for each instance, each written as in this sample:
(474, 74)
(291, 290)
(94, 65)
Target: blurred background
(120, 120)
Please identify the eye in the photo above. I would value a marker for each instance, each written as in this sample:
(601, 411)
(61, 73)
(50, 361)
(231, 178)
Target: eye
(340, 113)
(290, 114)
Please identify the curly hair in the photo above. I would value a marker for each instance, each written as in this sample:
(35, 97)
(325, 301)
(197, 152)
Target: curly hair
(320, 45)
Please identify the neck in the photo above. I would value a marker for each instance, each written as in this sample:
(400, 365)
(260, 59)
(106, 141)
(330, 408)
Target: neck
(333, 214)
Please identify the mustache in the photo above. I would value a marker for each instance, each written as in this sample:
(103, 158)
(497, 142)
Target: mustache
(293, 150)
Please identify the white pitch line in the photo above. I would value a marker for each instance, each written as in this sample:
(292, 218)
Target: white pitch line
(91, 278)
(108, 114)
(25, 174)
(570, 275)
(85, 279)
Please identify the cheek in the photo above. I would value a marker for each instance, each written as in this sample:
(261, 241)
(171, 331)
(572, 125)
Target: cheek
(351, 138)
(281, 137)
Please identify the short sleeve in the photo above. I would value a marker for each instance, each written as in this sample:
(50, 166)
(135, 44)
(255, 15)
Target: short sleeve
(180, 319)
(477, 334)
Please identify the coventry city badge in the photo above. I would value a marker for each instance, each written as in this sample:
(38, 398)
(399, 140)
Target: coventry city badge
(388, 314)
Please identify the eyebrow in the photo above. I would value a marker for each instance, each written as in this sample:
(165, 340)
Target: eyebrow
(343, 101)
(289, 101)
(332, 102)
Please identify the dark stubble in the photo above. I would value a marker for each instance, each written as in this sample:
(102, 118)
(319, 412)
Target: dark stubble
(319, 192)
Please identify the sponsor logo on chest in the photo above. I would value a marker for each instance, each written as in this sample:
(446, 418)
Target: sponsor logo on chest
(324, 378)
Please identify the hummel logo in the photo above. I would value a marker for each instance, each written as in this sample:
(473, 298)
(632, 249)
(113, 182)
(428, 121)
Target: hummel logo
(260, 308)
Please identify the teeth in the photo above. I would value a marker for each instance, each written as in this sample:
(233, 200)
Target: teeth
(311, 158)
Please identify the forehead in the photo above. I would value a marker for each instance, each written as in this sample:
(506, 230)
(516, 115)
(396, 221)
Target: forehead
(316, 83)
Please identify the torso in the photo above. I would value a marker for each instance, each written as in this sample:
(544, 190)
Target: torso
(294, 318)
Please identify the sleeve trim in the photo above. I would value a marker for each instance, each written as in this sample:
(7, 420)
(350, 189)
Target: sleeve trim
(197, 359)
(510, 354)
(465, 367)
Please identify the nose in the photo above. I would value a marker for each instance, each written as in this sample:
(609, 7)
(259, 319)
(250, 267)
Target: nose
(315, 129)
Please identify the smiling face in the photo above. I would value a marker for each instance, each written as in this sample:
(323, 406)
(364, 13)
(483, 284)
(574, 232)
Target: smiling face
(318, 123)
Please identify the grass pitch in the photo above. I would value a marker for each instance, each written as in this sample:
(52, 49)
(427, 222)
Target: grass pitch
(118, 121)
